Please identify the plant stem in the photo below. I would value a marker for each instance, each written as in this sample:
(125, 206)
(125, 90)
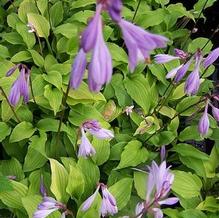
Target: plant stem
(4, 94)
(38, 39)
(176, 115)
(136, 11)
(49, 46)
(31, 89)
(63, 111)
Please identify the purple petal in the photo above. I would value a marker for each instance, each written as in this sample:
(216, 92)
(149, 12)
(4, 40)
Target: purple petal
(192, 83)
(157, 213)
(85, 148)
(14, 95)
(164, 58)
(203, 125)
(89, 36)
(215, 112)
(180, 53)
(24, 84)
(163, 153)
(169, 201)
(138, 209)
(211, 58)
(11, 70)
(182, 71)
(173, 72)
(102, 133)
(87, 204)
(78, 69)
(43, 213)
(114, 10)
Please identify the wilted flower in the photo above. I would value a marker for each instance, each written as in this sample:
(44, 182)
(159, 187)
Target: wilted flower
(21, 85)
(211, 58)
(203, 125)
(159, 184)
(32, 28)
(108, 204)
(94, 128)
(48, 206)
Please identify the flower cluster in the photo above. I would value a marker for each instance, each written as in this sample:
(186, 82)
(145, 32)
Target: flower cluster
(159, 184)
(193, 80)
(138, 41)
(204, 123)
(108, 204)
(94, 128)
(21, 85)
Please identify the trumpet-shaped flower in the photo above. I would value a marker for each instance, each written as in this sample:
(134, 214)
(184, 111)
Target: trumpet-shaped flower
(203, 125)
(211, 58)
(215, 112)
(21, 85)
(139, 42)
(164, 58)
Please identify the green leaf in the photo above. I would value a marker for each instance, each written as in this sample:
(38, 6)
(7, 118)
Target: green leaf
(25, 128)
(13, 198)
(122, 192)
(76, 183)
(133, 155)
(118, 53)
(5, 184)
(138, 88)
(40, 23)
(26, 7)
(12, 167)
(21, 56)
(189, 151)
(56, 13)
(54, 78)
(82, 3)
(5, 130)
(140, 183)
(200, 43)
(68, 30)
(54, 96)
(37, 58)
(192, 213)
(102, 148)
(59, 181)
(4, 53)
(91, 174)
(185, 184)
(42, 5)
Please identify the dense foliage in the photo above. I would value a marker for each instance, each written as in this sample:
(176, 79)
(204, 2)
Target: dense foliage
(142, 115)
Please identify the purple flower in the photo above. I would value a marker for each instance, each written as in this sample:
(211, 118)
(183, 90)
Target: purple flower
(215, 112)
(108, 206)
(48, 206)
(21, 85)
(164, 58)
(85, 148)
(78, 69)
(163, 153)
(180, 53)
(42, 187)
(182, 71)
(94, 128)
(128, 110)
(211, 58)
(100, 67)
(193, 81)
(157, 213)
(173, 72)
(87, 204)
(139, 210)
(139, 42)
(203, 125)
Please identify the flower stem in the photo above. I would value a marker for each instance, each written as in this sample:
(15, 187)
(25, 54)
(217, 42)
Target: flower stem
(15, 115)
(31, 89)
(136, 11)
(49, 46)
(63, 112)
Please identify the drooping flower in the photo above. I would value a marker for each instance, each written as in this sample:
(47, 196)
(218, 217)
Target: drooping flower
(211, 58)
(48, 206)
(139, 42)
(163, 153)
(108, 206)
(31, 28)
(139, 209)
(159, 184)
(193, 81)
(181, 54)
(21, 85)
(108, 203)
(128, 110)
(42, 187)
(215, 112)
(94, 128)
(203, 125)
(85, 148)
(173, 72)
